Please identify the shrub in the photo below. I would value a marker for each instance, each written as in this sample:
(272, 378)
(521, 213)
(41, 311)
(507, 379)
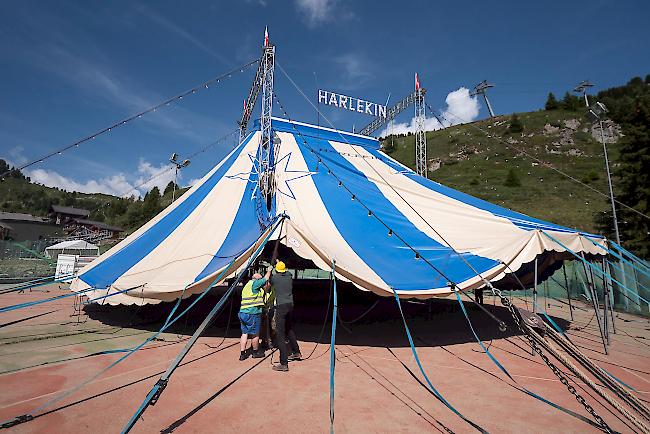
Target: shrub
(512, 180)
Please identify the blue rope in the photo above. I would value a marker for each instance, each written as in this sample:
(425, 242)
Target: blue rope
(26, 284)
(505, 371)
(618, 256)
(332, 349)
(597, 268)
(417, 361)
(639, 284)
(30, 286)
(631, 255)
(34, 303)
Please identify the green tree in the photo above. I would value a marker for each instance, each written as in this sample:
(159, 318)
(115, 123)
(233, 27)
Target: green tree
(512, 180)
(551, 102)
(12, 171)
(629, 106)
(170, 187)
(151, 204)
(571, 102)
(515, 124)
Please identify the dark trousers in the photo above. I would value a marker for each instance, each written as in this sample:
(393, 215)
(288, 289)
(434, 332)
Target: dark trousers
(478, 295)
(284, 331)
(267, 332)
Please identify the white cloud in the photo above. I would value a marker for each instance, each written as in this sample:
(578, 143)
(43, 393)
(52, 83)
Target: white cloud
(116, 185)
(159, 176)
(316, 11)
(461, 108)
(192, 182)
(148, 176)
(16, 157)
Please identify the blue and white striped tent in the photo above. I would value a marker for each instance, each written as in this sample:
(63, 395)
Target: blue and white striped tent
(345, 201)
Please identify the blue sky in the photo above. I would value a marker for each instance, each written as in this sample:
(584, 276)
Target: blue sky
(68, 69)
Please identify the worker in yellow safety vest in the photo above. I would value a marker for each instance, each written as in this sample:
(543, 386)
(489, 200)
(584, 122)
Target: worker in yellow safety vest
(250, 316)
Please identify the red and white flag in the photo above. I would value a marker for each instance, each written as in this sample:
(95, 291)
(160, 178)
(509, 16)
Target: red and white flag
(245, 107)
(417, 82)
(266, 36)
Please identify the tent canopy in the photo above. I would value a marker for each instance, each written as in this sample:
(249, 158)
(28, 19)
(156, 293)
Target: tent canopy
(72, 246)
(387, 228)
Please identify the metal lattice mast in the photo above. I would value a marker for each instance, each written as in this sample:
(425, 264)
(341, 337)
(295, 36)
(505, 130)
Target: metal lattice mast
(391, 114)
(420, 135)
(266, 150)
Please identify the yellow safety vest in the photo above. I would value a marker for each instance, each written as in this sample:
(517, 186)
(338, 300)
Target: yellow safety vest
(269, 298)
(250, 299)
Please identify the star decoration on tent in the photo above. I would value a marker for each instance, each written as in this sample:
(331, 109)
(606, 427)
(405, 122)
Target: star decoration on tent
(253, 175)
(295, 175)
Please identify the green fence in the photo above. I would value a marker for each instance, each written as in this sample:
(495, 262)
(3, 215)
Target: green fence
(24, 260)
(577, 281)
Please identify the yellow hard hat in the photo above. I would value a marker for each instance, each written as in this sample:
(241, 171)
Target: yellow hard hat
(280, 267)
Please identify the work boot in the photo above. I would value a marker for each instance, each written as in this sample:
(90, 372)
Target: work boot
(244, 354)
(294, 356)
(259, 354)
(281, 367)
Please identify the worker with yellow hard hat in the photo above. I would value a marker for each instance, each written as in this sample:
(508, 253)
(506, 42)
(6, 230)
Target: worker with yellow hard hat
(282, 282)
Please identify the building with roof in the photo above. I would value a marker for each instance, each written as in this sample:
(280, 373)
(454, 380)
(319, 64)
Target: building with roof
(61, 215)
(26, 227)
(91, 230)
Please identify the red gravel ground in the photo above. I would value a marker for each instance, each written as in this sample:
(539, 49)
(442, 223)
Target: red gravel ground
(378, 385)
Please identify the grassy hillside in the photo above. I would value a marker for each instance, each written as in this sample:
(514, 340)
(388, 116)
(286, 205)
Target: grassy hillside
(479, 164)
(18, 194)
(470, 161)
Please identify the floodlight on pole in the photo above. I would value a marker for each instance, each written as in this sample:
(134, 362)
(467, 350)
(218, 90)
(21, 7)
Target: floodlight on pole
(582, 88)
(598, 112)
(177, 166)
(481, 89)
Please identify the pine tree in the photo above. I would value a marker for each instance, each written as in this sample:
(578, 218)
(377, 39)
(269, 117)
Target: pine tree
(512, 180)
(551, 102)
(170, 187)
(151, 204)
(571, 102)
(515, 124)
(629, 106)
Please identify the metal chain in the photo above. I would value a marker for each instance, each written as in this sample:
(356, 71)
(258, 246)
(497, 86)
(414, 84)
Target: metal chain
(558, 373)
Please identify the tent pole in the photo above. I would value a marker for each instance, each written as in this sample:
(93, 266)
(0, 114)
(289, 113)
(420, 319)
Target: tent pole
(546, 304)
(605, 306)
(594, 300)
(568, 292)
(535, 289)
(610, 293)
